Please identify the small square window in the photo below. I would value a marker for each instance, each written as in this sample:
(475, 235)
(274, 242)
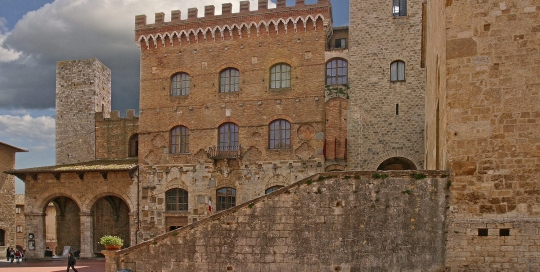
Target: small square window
(504, 232)
(482, 232)
(341, 43)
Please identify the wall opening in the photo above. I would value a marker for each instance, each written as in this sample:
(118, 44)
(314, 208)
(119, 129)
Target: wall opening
(504, 232)
(62, 225)
(397, 163)
(2, 237)
(110, 216)
(482, 232)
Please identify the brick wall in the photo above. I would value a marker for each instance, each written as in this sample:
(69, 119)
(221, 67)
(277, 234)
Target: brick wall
(348, 222)
(252, 48)
(113, 134)
(377, 39)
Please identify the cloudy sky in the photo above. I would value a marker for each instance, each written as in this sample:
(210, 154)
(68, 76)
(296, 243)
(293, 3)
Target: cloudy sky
(35, 34)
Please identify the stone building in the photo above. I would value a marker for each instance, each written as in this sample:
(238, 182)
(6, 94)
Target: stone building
(212, 132)
(237, 105)
(7, 192)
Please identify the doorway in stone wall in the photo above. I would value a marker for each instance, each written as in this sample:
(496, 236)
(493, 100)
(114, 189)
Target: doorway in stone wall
(397, 163)
(62, 225)
(110, 217)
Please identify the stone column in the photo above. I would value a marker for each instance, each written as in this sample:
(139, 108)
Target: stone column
(87, 235)
(35, 224)
(110, 260)
(133, 226)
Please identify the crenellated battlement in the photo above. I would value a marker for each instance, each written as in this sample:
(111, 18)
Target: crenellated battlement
(115, 116)
(229, 25)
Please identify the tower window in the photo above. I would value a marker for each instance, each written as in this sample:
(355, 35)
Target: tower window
(177, 200)
(397, 71)
(226, 198)
(336, 72)
(399, 8)
(280, 135)
(180, 140)
(180, 84)
(229, 80)
(340, 43)
(280, 76)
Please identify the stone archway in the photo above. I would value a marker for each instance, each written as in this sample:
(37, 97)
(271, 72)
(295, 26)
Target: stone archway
(397, 163)
(110, 216)
(64, 226)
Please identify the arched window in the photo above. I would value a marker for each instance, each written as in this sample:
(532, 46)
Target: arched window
(179, 140)
(228, 137)
(279, 134)
(336, 72)
(229, 80)
(397, 71)
(399, 7)
(180, 84)
(2, 237)
(176, 200)
(134, 145)
(226, 198)
(272, 189)
(280, 76)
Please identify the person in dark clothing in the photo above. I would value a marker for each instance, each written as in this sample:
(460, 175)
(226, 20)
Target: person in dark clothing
(7, 254)
(71, 262)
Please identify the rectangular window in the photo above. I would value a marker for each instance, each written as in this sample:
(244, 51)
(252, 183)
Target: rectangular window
(482, 232)
(19, 228)
(399, 8)
(18, 209)
(341, 43)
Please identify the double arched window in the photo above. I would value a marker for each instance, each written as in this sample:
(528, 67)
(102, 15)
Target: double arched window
(176, 200)
(280, 76)
(279, 134)
(229, 80)
(336, 72)
(228, 137)
(226, 198)
(179, 140)
(180, 84)
(397, 71)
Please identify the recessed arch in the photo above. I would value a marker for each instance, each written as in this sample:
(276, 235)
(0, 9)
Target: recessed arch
(397, 163)
(110, 216)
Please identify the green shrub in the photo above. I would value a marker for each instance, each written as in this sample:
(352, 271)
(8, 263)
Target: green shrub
(109, 240)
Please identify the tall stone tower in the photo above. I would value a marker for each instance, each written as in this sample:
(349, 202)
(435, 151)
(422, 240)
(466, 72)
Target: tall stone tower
(387, 80)
(83, 87)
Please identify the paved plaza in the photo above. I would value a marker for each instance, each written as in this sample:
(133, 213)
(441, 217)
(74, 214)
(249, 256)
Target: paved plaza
(52, 265)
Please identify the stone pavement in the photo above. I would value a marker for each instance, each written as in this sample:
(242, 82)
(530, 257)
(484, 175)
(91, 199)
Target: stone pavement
(52, 265)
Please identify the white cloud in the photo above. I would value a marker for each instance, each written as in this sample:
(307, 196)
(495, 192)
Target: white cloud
(27, 131)
(6, 55)
(78, 29)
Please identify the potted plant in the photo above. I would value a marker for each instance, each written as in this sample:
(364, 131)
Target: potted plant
(111, 242)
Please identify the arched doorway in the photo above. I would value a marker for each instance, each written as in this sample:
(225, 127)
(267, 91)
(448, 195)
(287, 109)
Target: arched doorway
(62, 225)
(110, 217)
(397, 163)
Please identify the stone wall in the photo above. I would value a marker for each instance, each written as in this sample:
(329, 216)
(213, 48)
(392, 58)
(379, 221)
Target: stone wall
(493, 100)
(75, 197)
(386, 118)
(7, 194)
(83, 87)
(350, 221)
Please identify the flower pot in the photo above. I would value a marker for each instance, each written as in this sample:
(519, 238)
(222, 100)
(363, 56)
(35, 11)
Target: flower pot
(113, 247)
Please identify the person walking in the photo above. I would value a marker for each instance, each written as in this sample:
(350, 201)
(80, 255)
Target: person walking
(71, 262)
(12, 255)
(7, 254)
